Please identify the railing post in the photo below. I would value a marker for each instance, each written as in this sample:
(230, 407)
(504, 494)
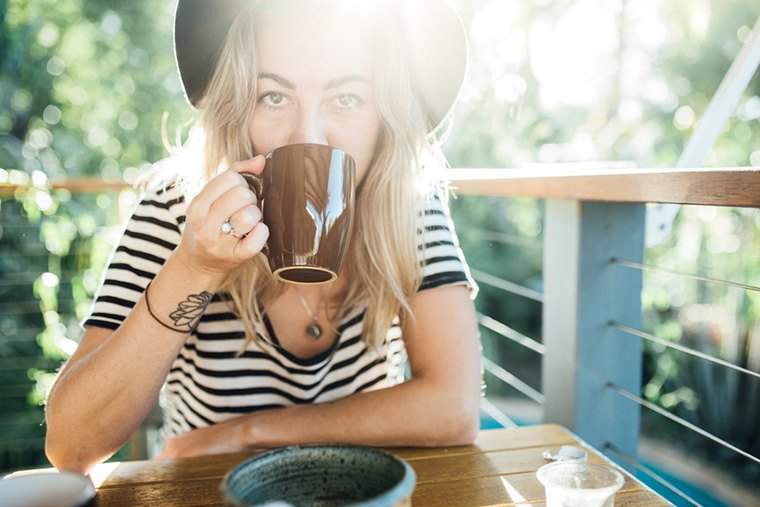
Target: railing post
(583, 292)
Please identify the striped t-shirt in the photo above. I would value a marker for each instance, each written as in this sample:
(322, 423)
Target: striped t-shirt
(207, 383)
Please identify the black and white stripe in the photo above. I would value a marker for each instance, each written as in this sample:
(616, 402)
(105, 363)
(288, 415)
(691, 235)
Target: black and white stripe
(207, 383)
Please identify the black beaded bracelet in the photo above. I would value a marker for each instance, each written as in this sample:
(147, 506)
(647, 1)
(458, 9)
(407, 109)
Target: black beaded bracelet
(150, 311)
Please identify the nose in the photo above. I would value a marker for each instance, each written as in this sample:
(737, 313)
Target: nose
(310, 128)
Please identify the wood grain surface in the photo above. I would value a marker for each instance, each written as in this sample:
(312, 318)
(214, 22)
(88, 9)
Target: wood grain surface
(719, 186)
(734, 186)
(498, 470)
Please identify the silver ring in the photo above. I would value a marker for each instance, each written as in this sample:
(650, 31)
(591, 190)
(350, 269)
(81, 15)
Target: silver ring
(227, 228)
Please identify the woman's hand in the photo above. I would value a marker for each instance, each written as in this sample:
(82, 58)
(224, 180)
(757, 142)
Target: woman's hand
(204, 248)
(224, 437)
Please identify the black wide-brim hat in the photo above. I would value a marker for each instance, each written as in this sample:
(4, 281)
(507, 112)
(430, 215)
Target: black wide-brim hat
(434, 33)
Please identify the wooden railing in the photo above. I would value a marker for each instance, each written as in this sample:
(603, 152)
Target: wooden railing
(74, 185)
(733, 186)
(592, 270)
(736, 186)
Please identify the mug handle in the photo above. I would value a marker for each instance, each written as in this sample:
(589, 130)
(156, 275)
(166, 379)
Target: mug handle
(256, 184)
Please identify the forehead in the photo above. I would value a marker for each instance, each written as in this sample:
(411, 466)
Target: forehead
(311, 47)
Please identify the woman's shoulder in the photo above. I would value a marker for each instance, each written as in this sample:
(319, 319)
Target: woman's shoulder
(176, 178)
(163, 186)
(433, 202)
(434, 223)
(165, 191)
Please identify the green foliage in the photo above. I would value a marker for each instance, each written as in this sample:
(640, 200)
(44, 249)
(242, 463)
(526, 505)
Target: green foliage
(84, 86)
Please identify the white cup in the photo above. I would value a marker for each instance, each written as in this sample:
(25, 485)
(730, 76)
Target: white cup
(46, 489)
(574, 484)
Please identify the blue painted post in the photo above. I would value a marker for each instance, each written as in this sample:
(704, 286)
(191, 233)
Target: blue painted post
(583, 292)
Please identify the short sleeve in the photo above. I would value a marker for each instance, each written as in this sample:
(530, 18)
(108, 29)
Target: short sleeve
(149, 237)
(443, 262)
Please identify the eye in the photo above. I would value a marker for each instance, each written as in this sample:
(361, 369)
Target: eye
(273, 100)
(348, 101)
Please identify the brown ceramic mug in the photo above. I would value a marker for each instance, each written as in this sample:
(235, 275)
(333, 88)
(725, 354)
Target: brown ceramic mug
(306, 195)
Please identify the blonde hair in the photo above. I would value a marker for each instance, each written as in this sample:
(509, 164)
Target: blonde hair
(382, 264)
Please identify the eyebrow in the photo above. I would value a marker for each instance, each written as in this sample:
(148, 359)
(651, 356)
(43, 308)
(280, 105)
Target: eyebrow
(330, 84)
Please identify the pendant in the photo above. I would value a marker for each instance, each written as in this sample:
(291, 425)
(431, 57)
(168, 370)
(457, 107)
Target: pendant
(314, 330)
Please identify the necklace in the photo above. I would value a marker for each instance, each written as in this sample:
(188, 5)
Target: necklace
(313, 329)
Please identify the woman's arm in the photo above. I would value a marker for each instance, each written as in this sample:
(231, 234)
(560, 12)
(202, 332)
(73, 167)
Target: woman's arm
(106, 389)
(438, 406)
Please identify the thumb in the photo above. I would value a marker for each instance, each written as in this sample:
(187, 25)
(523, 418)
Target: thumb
(253, 165)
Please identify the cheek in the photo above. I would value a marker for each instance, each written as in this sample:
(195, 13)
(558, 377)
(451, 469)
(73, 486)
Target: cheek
(254, 132)
(263, 136)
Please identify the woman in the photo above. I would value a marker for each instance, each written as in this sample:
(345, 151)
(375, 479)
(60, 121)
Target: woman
(231, 352)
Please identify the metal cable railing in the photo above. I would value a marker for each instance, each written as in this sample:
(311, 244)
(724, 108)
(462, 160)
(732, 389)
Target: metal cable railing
(509, 379)
(684, 349)
(25, 278)
(24, 260)
(505, 239)
(14, 389)
(35, 443)
(33, 416)
(27, 307)
(635, 463)
(698, 187)
(507, 286)
(505, 331)
(683, 422)
(26, 363)
(647, 267)
(14, 396)
(511, 334)
(681, 348)
(497, 415)
(22, 444)
(19, 333)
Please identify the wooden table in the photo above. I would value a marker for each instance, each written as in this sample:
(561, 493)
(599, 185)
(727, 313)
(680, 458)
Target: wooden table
(499, 470)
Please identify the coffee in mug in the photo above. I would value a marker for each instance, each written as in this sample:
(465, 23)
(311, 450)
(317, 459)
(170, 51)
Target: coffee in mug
(306, 195)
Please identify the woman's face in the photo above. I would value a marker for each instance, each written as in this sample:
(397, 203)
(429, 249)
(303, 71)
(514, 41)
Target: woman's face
(314, 86)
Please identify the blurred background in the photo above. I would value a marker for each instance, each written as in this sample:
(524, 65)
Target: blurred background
(86, 85)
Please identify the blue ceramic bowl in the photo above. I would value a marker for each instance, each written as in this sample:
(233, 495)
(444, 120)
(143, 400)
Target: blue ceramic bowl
(323, 475)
